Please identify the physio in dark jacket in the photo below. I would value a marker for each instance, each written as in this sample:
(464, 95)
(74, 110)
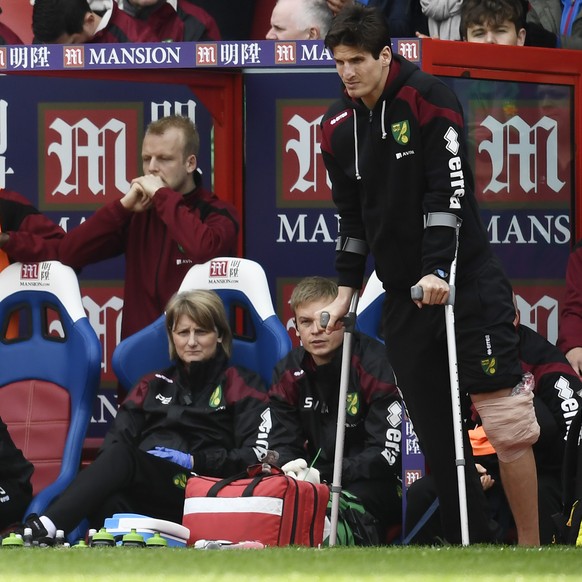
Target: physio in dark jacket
(201, 415)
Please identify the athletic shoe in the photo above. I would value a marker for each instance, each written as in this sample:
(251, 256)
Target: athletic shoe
(39, 535)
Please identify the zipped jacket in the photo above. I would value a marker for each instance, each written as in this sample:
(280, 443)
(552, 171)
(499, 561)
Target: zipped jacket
(160, 246)
(215, 412)
(390, 168)
(304, 407)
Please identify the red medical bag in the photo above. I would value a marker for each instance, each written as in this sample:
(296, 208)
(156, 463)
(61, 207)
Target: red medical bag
(271, 508)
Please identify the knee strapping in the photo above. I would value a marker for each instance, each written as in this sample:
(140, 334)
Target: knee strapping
(510, 423)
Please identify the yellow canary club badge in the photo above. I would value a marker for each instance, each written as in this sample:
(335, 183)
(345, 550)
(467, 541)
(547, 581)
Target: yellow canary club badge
(352, 403)
(216, 397)
(180, 480)
(401, 132)
(489, 366)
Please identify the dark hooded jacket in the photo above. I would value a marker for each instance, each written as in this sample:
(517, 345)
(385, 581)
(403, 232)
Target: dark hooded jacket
(393, 165)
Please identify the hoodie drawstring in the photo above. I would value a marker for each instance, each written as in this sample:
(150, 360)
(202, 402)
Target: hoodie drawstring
(384, 135)
(356, 162)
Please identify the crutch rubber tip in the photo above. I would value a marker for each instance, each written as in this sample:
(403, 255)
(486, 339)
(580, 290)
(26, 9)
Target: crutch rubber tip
(417, 293)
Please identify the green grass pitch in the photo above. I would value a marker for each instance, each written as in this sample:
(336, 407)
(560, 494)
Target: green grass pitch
(405, 564)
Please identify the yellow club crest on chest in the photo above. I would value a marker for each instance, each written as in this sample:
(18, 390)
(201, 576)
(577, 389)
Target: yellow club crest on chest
(216, 397)
(401, 132)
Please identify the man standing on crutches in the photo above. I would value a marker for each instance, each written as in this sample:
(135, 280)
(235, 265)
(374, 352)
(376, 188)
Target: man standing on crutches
(394, 149)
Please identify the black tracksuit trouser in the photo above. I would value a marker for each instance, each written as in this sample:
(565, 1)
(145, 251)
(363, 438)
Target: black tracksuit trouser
(422, 493)
(14, 500)
(122, 479)
(416, 344)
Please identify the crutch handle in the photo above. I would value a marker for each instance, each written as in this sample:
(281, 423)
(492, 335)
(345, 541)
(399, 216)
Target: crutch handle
(417, 293)
(348, 320)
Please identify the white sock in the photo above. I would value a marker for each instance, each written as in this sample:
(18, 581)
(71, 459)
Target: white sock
(50, 527)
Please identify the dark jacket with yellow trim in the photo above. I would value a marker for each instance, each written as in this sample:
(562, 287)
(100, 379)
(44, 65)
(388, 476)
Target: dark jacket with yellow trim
(304, 404)
(393, 165)
(216, 412)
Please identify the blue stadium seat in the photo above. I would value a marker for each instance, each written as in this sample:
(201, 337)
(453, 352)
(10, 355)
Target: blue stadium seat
(260, 339)
(50, 371)
(369, 310)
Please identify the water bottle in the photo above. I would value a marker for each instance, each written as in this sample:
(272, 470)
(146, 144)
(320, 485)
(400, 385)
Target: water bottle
(102, 538)
(60, 538)
(156, 541)
(13, 540)
(27, 537)
(133, 540)
(90, 535)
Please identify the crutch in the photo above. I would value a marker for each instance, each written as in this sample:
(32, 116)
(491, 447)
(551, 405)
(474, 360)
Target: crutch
(445, 219)
(336, 487)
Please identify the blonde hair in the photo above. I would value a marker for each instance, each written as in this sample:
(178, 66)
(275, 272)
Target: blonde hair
(185, 124)
(203, 307)
(312, 289)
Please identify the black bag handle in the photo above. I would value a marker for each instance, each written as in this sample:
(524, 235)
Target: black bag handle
(219, 485)
(248, 490)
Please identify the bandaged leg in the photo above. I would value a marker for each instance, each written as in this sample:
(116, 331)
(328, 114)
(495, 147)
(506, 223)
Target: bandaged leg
(512, 428)
(510, 424)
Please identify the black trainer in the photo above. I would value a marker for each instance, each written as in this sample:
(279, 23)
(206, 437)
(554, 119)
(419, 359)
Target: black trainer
(39, 535)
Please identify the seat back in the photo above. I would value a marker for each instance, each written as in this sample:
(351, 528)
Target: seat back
(369, 310)
(260, 339)
(50, 366)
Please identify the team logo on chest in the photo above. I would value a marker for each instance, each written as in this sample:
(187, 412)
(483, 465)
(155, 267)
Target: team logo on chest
(180, 480)
(401, 132)
(216, 397)
(352, 403)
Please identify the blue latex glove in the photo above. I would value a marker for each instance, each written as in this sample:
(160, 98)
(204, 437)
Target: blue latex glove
(178, 457)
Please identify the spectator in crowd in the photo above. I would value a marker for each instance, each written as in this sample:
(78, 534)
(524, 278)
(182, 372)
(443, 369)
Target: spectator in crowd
(299, 20)
(234, 19)
(304, 407)
(488, 21)
(201, 414)
(556, 401)
(443, 17)
(493, 22)
(99, 6)
(405, 17)
(570, 324)
(15, 485)
(164, 224)
(174, 20)
(8, 36)
(366, 135)
(562, 20)
(73, 22)
(25, 234)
